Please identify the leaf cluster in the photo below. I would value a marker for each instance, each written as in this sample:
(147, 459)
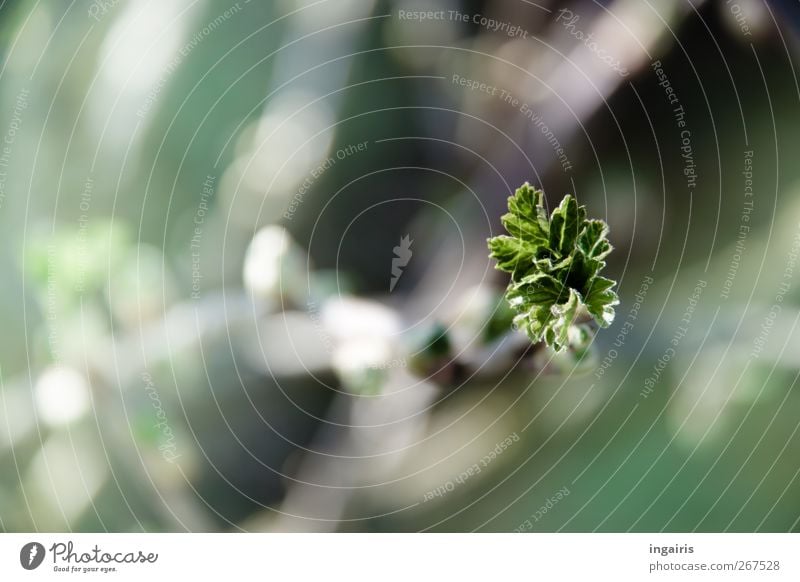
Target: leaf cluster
(554, 262)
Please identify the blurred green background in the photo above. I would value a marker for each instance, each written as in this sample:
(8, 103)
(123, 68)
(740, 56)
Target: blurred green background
(202, 202)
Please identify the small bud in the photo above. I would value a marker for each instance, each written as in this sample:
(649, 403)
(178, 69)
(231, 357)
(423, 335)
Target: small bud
(274, 265)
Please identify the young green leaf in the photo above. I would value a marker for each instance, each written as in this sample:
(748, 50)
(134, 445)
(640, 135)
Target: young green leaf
(554, 265)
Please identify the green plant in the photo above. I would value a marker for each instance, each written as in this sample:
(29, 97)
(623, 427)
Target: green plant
(554, 264)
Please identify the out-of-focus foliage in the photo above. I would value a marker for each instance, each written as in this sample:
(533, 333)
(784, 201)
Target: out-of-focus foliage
(199, 204)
